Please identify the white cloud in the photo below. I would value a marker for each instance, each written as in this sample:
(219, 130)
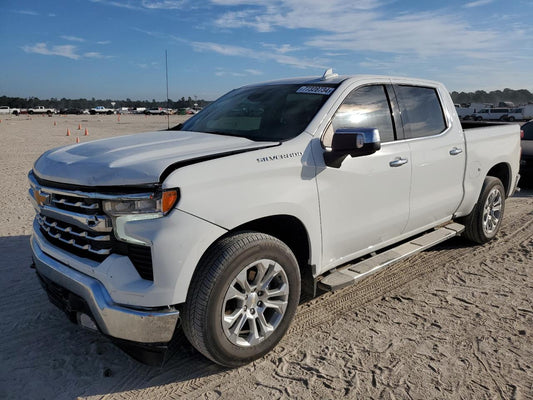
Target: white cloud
(104, 42)
(478, 3)
(230, 50)
(145, 4)
(94, 54)
(119, 4)
(425, 34)
(164, 4)
(247, 72)
(282, 49)
(27, 12)
(295, 14)
(68, 51)
(73, 38)
(366, 25)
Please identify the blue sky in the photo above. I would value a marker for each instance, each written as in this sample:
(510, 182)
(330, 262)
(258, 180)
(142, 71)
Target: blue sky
(116, 48)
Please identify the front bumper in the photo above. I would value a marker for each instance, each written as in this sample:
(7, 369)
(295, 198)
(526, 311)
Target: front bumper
(115, 320)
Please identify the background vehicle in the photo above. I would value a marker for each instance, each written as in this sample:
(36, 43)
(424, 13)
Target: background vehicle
(274, 190)
(41, 110)
(521, 113)
(526, 160)
(491, 114)
(8, 110)
(157, 110)
(75, 111)
(101, 110)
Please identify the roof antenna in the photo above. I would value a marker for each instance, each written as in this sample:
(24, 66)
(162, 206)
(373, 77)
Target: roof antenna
(328, 74)
(168, 110)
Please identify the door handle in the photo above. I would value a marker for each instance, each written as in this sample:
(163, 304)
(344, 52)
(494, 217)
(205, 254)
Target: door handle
(398, 162)
(455, 151)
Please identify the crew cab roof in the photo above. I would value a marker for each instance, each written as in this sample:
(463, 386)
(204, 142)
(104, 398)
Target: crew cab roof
(338, 79)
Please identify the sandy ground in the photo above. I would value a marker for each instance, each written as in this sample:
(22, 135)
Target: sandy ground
(455, 322)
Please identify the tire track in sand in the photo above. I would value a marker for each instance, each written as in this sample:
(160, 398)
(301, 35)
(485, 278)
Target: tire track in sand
(323, 310)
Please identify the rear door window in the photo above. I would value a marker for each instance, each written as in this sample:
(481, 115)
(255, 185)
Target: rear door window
(421, 111)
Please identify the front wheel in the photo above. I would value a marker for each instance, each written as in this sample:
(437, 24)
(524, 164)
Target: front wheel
(242, 298)
(484, 222)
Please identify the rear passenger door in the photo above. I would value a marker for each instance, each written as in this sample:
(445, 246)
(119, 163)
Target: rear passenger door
(437, 150)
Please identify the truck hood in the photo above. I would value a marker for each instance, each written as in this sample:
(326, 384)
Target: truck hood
(138, 159)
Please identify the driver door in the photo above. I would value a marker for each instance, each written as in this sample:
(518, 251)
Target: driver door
(364, 202)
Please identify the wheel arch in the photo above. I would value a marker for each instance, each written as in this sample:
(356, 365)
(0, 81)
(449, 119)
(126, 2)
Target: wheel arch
(502, 171)
(291, 231)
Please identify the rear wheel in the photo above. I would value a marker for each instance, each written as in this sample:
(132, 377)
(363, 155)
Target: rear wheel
(484, 222)
(242, 299)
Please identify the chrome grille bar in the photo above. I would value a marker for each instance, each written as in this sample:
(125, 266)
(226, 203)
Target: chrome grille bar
(78, 204)
(69, 230)
(95, 223)
(47, 227)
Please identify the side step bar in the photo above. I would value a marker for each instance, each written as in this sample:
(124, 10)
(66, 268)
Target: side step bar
(352, 273)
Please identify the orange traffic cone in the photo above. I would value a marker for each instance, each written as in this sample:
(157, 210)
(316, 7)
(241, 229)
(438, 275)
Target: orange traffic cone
(55, 123)
(77, 139)
(79, 127)
(68, 132)
(86, 132)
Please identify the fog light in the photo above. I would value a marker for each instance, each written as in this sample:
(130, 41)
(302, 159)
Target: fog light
(86, 321)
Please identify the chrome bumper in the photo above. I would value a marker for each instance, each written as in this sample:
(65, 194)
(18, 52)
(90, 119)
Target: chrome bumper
(112, 319)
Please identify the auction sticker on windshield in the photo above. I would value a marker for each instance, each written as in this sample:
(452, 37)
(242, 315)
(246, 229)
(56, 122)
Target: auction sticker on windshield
(316, 90)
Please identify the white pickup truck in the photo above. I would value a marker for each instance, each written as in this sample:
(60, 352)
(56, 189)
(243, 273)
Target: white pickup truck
(273, 190)
(5, 110)
(42, 110)
(101, 110)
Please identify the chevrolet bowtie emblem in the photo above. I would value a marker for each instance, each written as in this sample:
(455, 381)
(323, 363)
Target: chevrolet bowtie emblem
(41, 199)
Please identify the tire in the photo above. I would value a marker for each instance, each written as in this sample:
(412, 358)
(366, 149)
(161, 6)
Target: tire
(511, 119)
(242, 298)
(484, 222)
(478, 118)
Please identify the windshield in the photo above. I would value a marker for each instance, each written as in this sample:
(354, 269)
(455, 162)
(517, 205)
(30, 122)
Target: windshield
(262, 113)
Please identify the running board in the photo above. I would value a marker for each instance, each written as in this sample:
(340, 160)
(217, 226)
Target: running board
(352, 273)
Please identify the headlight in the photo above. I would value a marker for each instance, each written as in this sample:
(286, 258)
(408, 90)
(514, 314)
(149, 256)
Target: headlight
(125, 210)
(158, 205)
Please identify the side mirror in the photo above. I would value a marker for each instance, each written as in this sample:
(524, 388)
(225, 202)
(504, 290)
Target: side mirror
(354, 142)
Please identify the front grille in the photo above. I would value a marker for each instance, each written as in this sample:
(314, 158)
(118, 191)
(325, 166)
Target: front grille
(90, 244)
(76, 204)
(75, 222)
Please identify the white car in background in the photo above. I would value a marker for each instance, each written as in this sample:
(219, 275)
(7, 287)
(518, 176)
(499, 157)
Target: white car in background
(5, 110)
(494, 114)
